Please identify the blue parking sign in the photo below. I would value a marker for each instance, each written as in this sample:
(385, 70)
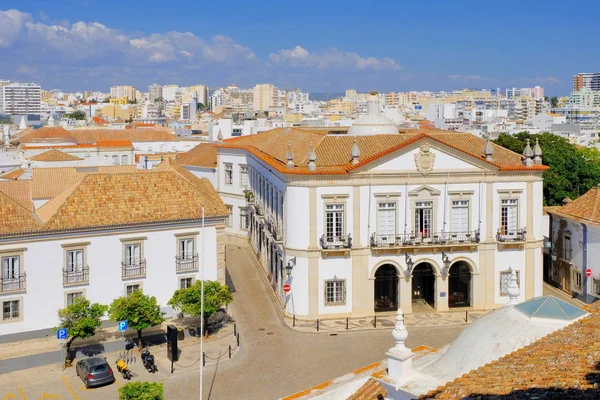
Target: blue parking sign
(122, 326)
(62, 333)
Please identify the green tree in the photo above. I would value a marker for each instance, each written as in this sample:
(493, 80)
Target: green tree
(554, 101)
(142, 311)
(141, 391)
(572, 171)
(81, 318)
(188, 300)
(79, 115)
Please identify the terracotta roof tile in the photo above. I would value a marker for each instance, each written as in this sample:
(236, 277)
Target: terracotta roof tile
(586, 207)
(14, 174)
(114, 143)
(19, 191)
(47, 134)
(563, 365)
(15, 217)
(369, 391)
(203, 155)
(54, 155)
(81, 136)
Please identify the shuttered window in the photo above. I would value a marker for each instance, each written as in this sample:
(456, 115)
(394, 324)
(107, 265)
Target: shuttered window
(460, 216)
(386, 219)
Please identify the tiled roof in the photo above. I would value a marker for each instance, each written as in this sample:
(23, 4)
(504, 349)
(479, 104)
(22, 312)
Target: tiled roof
(586, 207)
(369, 391)
(203, 155)
(62, 135)
(114, 143)
(116, 199)
(54, 155)
(14, 174)
(563, 365)
(333, 151)
(48, 182)
(15, 217)
(19, 191)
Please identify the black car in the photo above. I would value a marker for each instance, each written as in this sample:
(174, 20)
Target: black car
(95, 371)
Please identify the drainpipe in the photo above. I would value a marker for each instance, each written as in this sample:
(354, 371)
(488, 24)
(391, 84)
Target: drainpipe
(585, 263)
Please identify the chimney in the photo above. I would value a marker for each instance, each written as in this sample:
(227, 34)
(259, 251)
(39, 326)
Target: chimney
(488, 150)
(399, 356)
(527, 155)
(290, 156)
(537, 153)
(312, 158)
(355, 152)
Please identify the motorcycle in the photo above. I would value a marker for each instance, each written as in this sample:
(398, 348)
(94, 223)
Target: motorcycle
(148, 360)
(123, 369)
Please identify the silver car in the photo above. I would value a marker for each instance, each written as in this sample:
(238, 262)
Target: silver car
(95, 371)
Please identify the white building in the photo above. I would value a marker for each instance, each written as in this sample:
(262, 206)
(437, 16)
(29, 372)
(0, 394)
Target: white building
(154, 92)
(365, 217)
(544, 121)
(102, 237)
(20, 98)
(170, 92)
(117, 92)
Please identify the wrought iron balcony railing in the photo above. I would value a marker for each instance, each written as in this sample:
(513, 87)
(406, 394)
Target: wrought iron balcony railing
(186, 262)
(422, 238)
(76, 276)
(336, 242)
(13, 283)
(133, 269)
(518, 235)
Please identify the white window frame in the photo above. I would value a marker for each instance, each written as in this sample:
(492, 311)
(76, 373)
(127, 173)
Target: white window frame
(596, 287)
(19, 310)
(335, 292)
(459, 204)
(577, 276)
(131, 284)
(567, 248)
(244, 176)
(387, 206)
(508, 275)
(244, 218)
(70, 297)
(228, 168)
(186, 248)
(124, 159)
(186, 278)
(426, 205)
(334, 221)
(72, 262)
(508, 226)
(129, 257)
(229, 221)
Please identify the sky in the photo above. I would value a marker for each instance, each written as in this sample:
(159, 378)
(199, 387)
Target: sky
(318, 46)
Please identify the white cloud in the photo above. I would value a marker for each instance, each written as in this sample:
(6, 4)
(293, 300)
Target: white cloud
(299, 57)
(11, 25)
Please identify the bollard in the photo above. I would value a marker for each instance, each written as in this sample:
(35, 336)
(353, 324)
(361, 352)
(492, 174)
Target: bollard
(203, 359)
(294, 323)
(346, 323)
(317, 325)
(466, 315)
(234, 329)
(229, 351)
(238, 339)
(375, 322)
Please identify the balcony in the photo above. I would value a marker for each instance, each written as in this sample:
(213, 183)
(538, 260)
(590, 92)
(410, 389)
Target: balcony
(511, 239)
(186, 263)
(14, 284)
(133, 269)
(76, 277)
(336, 244)
(260, 209)
(435, 241)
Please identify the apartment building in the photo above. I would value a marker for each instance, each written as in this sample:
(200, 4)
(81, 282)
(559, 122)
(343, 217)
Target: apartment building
(102, 236)
(586, 80)
(264, 96)
(20, 98)
(129, 92)
(155, 92)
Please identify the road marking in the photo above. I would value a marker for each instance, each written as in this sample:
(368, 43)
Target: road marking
(70, 387)
(22, 393)
(9, 396)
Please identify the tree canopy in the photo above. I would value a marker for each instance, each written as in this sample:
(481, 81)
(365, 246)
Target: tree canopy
(572, 172)
(79, 115)
(81, 319)
(188, 300)
(142, 311)
(142, 391)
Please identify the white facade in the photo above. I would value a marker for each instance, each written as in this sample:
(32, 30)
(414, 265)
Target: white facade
(20, 98)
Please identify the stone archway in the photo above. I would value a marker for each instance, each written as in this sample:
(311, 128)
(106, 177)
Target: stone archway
(460, 285)
(423, 284)
(386, 288)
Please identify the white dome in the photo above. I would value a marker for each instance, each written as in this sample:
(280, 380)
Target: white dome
(373, 122)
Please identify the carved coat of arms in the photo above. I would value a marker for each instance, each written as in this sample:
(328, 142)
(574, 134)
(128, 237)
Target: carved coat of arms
(424, 159)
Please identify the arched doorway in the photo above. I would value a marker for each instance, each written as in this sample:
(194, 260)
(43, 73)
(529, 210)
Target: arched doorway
(386, 288)
(459, 285)
(423, 284)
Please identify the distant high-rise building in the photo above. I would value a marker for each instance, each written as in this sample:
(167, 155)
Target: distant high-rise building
(170, 92)
(263, 96)
(589, 80)
(20, 98)
(117, 92)
(155, 92)
(201, 93)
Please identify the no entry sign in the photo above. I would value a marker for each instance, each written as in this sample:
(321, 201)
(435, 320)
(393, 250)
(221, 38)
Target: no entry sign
(287, 288)
(588, 272)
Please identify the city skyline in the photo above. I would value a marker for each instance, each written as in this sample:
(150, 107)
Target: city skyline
(319, 48)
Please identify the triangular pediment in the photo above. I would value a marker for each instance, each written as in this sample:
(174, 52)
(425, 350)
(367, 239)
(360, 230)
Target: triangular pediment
(424, 188)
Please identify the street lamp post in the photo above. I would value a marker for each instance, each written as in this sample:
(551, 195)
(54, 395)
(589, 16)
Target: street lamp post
(409, 263)
(447, 263)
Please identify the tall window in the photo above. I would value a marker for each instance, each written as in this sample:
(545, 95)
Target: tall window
(386, 220)
(11, 309)
(335, 292)
(508, 220)
(229, 216)
(567, 249)
(228, 174)
(11, 273)
(75, 260)
(243, 218)
(423, 217)
(124, 159)
(115, 159)
(133, 254)
(460, 216)
(334, 221)
(243, 176)
(186, 248)
(577, 281)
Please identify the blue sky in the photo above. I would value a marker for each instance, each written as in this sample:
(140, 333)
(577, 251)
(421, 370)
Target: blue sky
(319, 46)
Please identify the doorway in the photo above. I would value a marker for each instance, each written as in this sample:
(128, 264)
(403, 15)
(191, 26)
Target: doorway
(386, 288)
(423, 285)
(459, 285)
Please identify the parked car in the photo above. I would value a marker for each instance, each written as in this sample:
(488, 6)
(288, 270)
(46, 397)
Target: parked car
(95, 371)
